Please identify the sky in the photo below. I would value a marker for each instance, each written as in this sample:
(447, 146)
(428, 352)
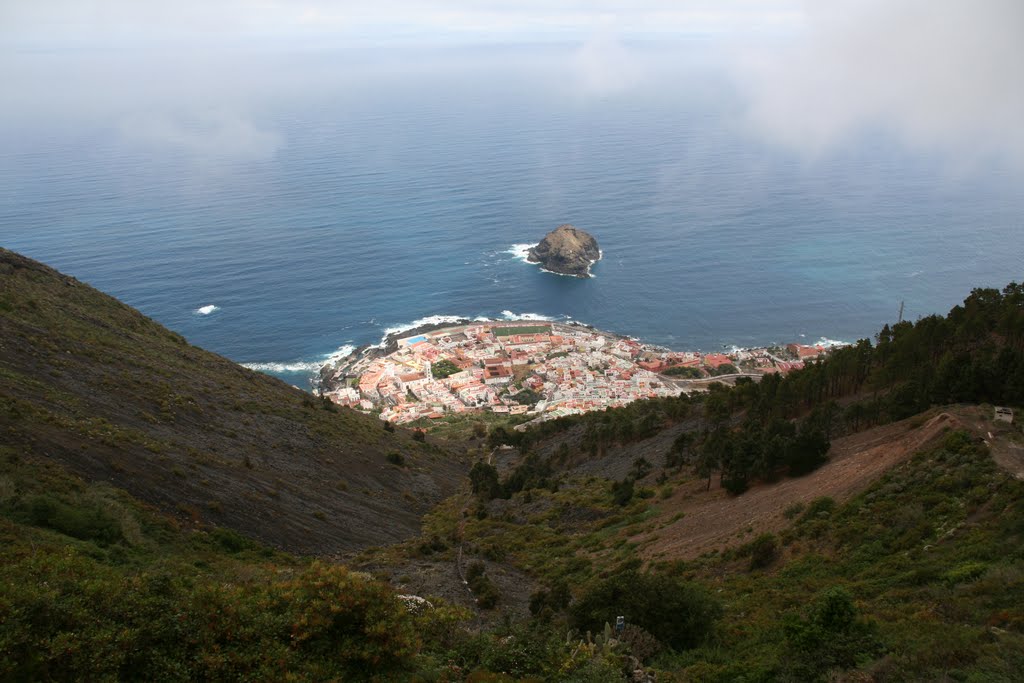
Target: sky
(92, 22)
(935, 75)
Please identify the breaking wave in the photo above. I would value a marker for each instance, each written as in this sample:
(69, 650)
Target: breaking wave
(509, 315)
(429, 320)
(831, 343)
(206, 310)
(303, 366)
(520, 251)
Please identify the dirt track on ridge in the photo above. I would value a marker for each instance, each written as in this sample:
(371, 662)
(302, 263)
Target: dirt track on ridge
(715, 520)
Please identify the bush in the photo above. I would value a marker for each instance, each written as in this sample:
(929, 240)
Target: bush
(484, 480)
(548, 601)
(793, 510)
(85, 522)
(395, 458)
(820, 508)
(831, 636)
(763, 550)
(231, 541)
(640, 642)
(735, 483)
(622, 492)
(678, 614)
(487, 594)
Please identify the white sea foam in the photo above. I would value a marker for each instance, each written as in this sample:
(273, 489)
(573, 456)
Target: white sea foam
(831, 343)
(520, 251)
(429, 320)
(298, 366)
(509, 315)
(589, 273)
(206, 310)
(304, 366)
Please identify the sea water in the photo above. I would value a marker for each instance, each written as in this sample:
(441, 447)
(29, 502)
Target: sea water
(344, 200)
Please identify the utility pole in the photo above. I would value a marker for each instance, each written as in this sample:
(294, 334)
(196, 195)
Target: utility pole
(901, 314)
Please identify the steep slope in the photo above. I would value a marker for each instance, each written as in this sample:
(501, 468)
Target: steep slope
(714, 520)
(90, 383)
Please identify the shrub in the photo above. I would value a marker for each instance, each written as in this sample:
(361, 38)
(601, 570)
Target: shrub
(231, 541)
(762, 550)
(433, 545)
(487, 594)
(679, 614)
(396, 458)
(793, 510)
(85, 522)
(735, 483)
(640, 641)
(968, 571)
(548, 601)
(622, 492)
(484, 480)
(831, 636)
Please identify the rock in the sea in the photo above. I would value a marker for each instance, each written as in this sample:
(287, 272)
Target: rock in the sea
(566, 250)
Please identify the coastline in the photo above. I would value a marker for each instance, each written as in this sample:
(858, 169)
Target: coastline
(538, 369)
(389, 344)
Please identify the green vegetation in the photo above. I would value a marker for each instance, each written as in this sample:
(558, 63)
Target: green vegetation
(487, 594)
(918, 577)
(521, 329)
(527, 397)
(683, 371)
(112, 395)
(444, 368)
(677, 614)
(532, 473)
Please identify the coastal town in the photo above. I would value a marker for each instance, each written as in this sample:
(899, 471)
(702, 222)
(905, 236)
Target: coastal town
(541, 370)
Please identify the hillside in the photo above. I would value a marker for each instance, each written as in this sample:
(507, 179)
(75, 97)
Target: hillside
(714, 521)
(848, 522)
(91, 384)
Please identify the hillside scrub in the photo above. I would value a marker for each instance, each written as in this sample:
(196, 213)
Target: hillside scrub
(90, 383)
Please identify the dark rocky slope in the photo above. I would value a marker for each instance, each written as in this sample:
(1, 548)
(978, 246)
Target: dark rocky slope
(90, 383)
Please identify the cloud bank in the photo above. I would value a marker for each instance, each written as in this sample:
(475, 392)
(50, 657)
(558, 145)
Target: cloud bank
(113, 21)
(939, 74)
(214, 136)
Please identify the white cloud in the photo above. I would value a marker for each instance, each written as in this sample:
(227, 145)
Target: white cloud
(215, 136)
(602, 65)
(102, 22)
(940, 74)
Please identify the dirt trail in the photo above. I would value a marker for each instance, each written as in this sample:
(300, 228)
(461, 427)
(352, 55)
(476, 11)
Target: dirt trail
(714, 519)
(1004, 440)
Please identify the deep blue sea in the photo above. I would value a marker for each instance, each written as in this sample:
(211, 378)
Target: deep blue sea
(319, 211)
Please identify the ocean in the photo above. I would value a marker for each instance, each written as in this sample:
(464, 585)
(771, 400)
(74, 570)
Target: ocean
(340, 196)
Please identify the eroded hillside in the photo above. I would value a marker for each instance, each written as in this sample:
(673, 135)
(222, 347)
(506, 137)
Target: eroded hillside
(89, 383)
